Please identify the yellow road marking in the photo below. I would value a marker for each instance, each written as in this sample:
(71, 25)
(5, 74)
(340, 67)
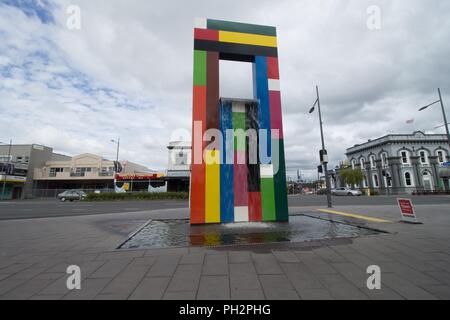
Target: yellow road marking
(352, 215)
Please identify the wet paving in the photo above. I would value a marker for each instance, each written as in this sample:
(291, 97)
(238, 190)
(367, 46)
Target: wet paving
(301, 228)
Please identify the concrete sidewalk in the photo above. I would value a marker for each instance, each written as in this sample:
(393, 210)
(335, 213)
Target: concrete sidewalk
(414, 260)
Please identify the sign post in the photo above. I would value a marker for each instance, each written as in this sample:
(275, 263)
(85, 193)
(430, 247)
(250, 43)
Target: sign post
(407, 211)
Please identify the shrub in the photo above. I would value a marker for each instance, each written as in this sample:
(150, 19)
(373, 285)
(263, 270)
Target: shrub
(137, 196)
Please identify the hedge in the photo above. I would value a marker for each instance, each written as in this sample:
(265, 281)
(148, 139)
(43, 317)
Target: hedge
(137, 196)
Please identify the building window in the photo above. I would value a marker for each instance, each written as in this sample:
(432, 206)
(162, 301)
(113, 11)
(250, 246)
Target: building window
(372, 162)
(363, 163)
(353, 164)
(405, 157)
(384, 160)
(423, 157)
(375, 181)
(181, 159)
(441, 156)
(54, 171)
(388, 180)
(408, 180)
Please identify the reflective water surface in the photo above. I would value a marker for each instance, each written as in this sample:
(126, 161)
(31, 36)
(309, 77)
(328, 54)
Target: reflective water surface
(178, 233)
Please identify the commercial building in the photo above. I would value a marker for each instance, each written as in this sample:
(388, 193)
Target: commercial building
(402, 163)
(17, 164)
(88, 172)
(179, 166)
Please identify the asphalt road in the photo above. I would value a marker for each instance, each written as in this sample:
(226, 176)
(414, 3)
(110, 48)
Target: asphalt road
(31, 209)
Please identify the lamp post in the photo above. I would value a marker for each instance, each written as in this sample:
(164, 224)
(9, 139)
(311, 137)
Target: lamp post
(443, 113)
(116, 165)
(6, 170)
(323, 152)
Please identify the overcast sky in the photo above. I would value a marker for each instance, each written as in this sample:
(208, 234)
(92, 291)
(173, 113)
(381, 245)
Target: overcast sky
(128, 72)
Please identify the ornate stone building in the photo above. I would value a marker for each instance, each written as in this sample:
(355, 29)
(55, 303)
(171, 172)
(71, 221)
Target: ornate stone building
(403, 163)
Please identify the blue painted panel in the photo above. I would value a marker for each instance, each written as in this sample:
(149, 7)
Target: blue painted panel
(261, 92)
(226, 170)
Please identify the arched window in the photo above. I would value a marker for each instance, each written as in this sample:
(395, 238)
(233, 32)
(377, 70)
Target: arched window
(384, 160)
(408, 179)
(423, 157)
(362, 162)
(372, 161)
(405, 157)
(376, 182)
(353, 164)
(441, 154)
(365, 182)
(388, 179)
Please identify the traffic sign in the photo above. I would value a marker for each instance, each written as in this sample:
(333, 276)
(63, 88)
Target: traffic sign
(407, 210)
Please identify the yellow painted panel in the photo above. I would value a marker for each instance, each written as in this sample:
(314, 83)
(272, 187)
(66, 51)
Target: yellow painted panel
(212, 198)
(247, 38)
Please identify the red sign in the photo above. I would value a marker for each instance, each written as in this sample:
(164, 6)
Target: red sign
(136, 177)
(407, 210)
(406, 207)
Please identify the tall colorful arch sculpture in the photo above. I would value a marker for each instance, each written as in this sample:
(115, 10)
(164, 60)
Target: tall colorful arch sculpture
(223, 192)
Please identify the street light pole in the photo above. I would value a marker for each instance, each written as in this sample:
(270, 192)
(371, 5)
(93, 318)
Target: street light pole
(443, 113)
(6, 170)
(323, 152)
(445, 117)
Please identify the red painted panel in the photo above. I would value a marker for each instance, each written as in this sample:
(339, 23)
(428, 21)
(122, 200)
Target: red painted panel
(198, 170)
(205, 34)
(273, 71)
(240, 182)
(276, 119)
(254, 207)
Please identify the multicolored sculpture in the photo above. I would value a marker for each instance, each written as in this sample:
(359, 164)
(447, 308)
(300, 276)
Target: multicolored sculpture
(238, 192)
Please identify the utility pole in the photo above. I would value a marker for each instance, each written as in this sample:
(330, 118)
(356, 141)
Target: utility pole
(323, 152)
(6, 170)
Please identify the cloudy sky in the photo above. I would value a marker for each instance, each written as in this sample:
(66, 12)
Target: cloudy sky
(128, 72)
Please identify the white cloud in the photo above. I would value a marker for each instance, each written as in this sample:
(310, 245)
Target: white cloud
(128, 73)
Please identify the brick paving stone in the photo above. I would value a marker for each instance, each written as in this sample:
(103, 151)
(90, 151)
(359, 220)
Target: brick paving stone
(164, 266)
(316, 264)
(181, 295)
(192, 258)
(186, 278)
(120, 255)
(110, 269)
(214, 288)
(266, 264)
(340, 288)
(247, 295)
(150, 289)
(126, 281)
(215, 264)
(315, 294)
(239, 257)
(406, 289)
(440, 291)
(285, 256)
(278, 287)
(90, 288)
(243, 276)
(301, 277)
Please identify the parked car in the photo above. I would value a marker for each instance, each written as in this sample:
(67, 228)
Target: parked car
(345, 192)
(72, 195)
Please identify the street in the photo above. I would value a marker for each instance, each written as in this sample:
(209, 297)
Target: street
(30, 209)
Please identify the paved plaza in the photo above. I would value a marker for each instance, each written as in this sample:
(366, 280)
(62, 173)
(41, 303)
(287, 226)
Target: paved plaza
(414, 260)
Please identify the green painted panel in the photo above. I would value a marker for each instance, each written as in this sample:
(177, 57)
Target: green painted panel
(239, 123)
(200, 68)
(241, 27)
(268, 199)
(281, 203)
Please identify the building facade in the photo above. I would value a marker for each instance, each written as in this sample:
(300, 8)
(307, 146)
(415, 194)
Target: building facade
(87, 172)
(17, 165)
(403, 163)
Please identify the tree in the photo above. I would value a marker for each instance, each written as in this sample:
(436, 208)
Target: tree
(352, 176)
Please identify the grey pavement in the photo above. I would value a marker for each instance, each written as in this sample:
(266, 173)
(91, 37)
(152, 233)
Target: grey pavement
(414, 260)
(29, 209)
